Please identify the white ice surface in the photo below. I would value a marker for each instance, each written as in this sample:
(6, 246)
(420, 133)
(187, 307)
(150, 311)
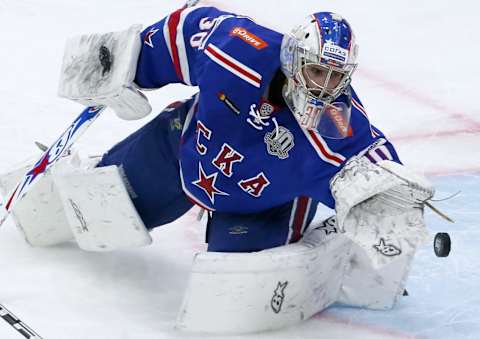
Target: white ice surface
(417, 77)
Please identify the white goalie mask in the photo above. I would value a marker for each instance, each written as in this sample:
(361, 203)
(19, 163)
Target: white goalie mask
(318, 58)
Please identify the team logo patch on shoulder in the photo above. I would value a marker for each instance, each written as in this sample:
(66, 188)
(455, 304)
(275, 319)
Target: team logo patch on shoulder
(278, 144)
(248, 37)
(229, 103)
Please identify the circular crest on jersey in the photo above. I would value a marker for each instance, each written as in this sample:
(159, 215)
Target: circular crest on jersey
(318, 58)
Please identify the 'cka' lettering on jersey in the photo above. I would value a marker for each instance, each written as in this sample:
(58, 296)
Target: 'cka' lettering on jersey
(226, 158)
(254, 186)
(206, 133)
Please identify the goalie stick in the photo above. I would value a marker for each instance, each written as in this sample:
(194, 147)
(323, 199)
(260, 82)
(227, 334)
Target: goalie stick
(59, 148)
(17, 324)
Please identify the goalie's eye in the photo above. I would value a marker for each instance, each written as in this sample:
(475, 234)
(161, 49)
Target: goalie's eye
(318, 77)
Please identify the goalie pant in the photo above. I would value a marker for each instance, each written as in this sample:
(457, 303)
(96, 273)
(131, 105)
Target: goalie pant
(157, 193)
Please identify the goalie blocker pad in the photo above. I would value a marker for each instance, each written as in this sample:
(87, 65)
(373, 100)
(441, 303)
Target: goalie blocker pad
(91, 206)
(99, 69)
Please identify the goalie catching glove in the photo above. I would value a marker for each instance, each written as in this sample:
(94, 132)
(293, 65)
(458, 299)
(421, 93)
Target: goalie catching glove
(99, 69)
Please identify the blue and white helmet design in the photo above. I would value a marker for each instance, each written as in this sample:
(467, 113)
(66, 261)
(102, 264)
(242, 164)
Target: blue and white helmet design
(318, 58)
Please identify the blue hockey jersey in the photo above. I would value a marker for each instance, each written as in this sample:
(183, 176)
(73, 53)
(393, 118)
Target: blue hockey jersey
(231, 160)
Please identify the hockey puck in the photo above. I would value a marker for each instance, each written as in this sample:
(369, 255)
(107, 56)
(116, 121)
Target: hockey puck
(442, 245)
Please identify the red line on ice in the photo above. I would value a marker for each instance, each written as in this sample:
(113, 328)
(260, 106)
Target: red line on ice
(436, 134)
(421, 98)
(454, 171)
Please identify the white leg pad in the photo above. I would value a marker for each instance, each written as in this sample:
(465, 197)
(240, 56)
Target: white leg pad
(267, 290)
(73, 201)
(99, 210)
(251, 292)
(39, 215)
(373, 288)
(383, 250)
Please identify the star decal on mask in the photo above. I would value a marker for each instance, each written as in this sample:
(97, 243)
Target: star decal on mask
(207, 184)
(148, 37)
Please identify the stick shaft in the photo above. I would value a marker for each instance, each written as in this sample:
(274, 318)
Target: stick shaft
(17, 324)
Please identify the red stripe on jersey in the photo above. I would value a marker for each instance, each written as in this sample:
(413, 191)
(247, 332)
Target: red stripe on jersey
(198, 203)
(173, 21)
(362, 110)
(299, 219)
(234, 66)
(359, 107)
(324, 151)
